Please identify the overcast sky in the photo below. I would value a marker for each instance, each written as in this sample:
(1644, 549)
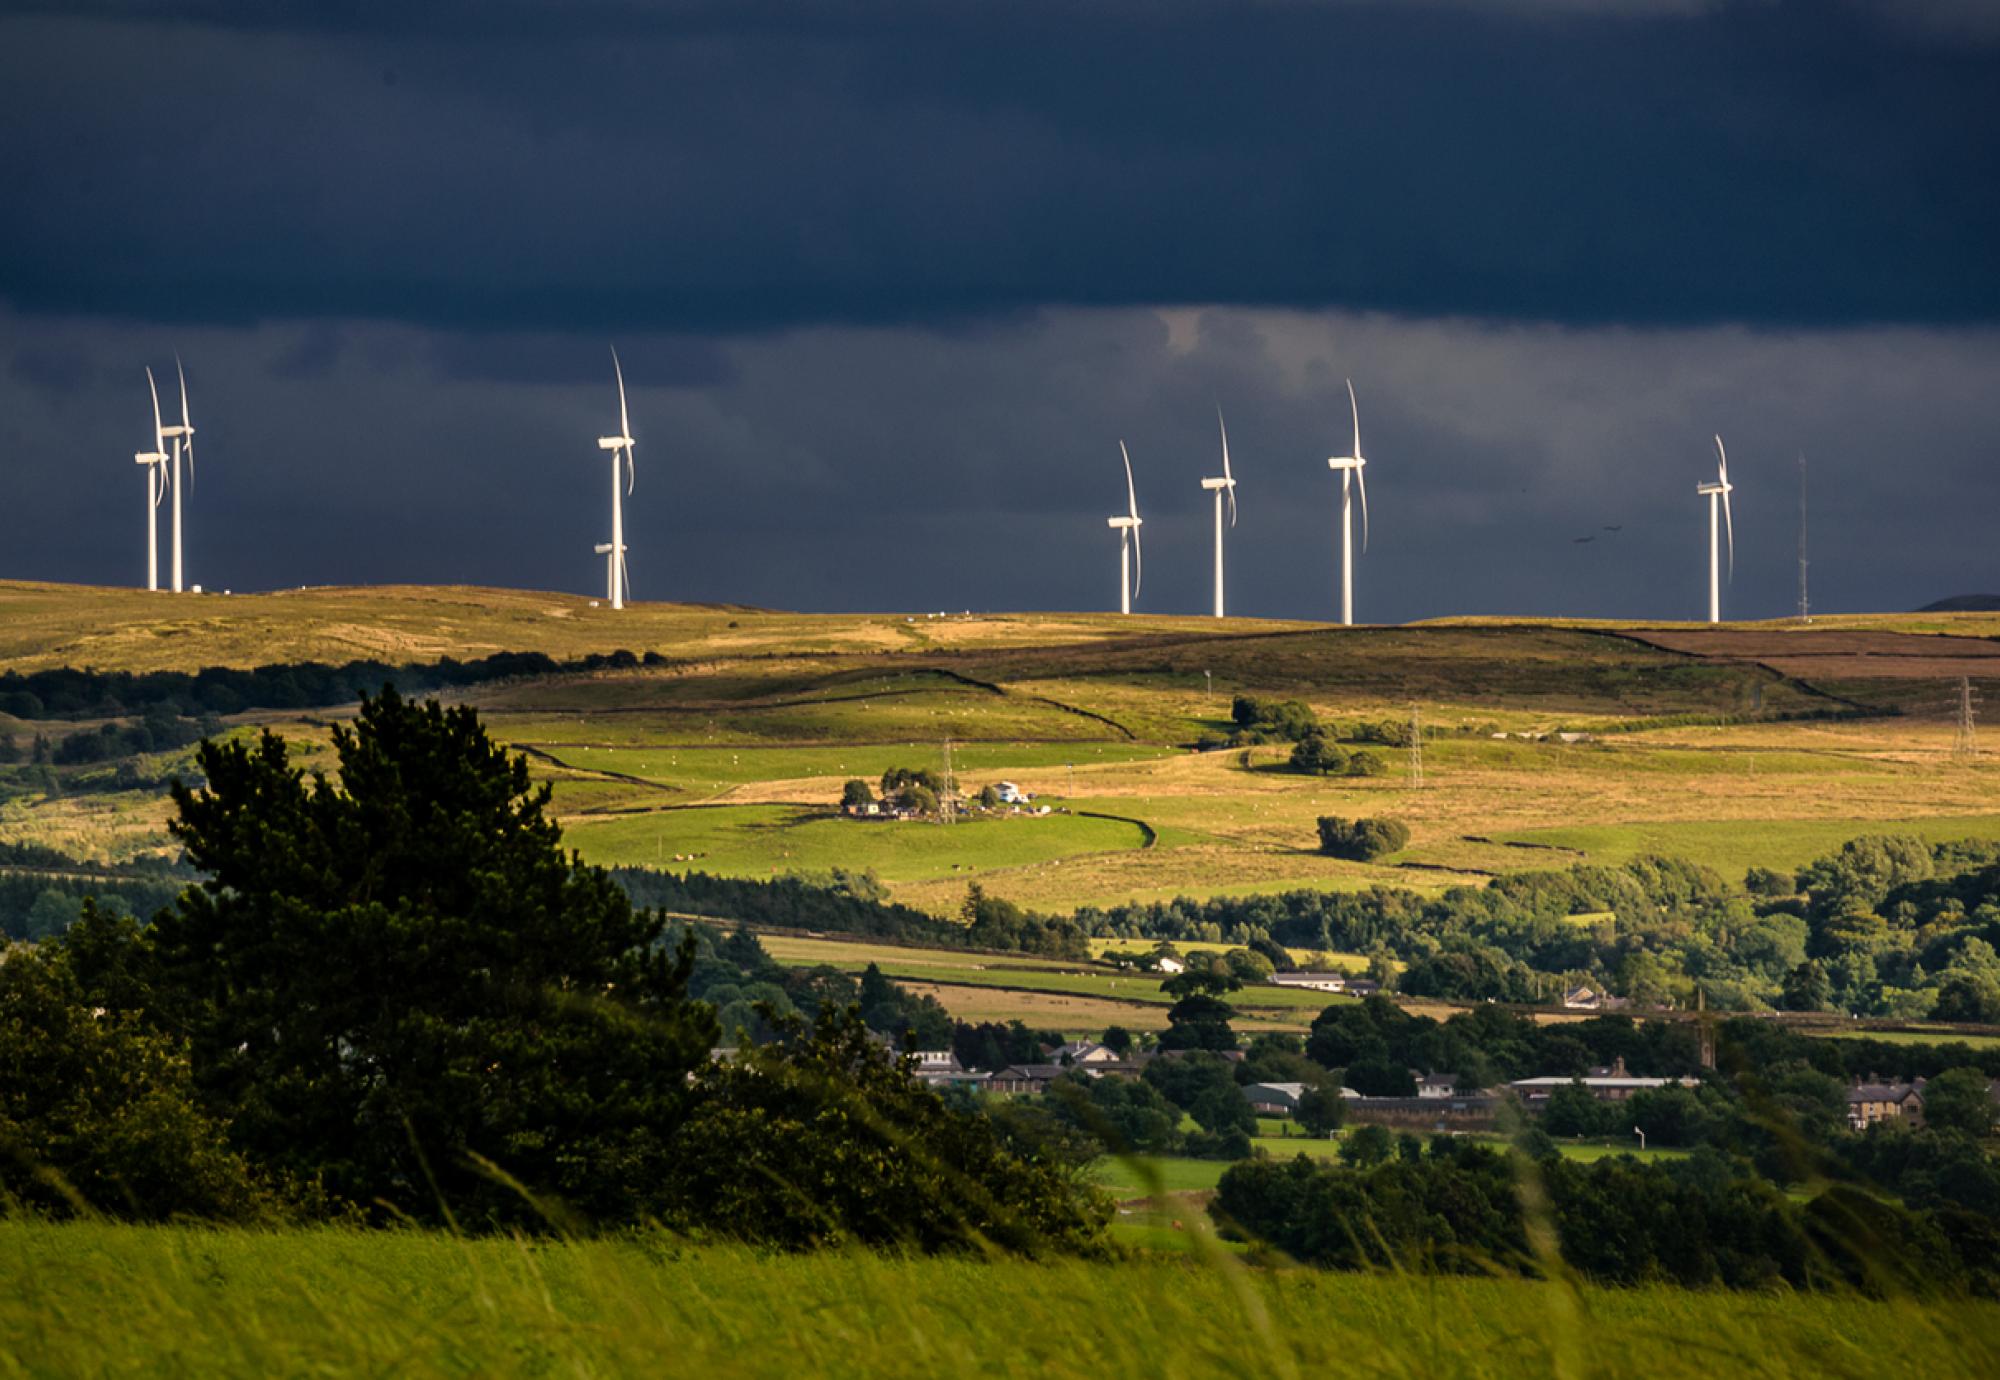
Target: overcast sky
(892, 280)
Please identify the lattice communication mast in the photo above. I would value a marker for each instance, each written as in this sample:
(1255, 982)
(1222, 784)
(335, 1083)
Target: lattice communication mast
(1964, 746)
(1416, 749)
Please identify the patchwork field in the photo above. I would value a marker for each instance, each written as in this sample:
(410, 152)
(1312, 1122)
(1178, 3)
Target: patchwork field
(1545, 743)
(1075, 998)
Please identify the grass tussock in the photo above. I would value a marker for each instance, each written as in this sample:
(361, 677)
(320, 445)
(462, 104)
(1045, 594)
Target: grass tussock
(98, 1299)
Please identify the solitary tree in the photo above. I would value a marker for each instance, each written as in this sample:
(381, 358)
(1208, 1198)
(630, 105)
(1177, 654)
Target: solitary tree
(406, 992)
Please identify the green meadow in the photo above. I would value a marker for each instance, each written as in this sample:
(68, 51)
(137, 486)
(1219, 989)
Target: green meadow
(96, 1300)
(759, 840)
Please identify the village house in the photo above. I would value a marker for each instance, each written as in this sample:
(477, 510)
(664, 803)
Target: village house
(1433, 1085)
(1084, 1052)
(940, 1068)
(1584, 997)
(1870, 1102)
(1024, 1078)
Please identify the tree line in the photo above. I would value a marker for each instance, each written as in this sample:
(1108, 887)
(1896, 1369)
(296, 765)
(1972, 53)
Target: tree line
(67, 692)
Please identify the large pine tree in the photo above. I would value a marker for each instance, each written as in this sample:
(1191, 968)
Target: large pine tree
(395, 983)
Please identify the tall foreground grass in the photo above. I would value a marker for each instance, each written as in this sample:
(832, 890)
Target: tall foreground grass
(97, 1299)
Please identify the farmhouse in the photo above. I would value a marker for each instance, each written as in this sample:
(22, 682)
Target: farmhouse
(1318, 982)
(1868, 1103)
(1009, 793)
(1434, 1085)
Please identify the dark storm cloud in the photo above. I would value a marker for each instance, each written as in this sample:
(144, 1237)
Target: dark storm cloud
(891, 280)
(691, 167)
(546, 357)
(911, 468)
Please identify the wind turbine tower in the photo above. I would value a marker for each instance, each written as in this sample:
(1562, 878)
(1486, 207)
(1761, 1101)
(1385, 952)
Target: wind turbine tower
(1717, 495)
(1127, 528)
(182, 433)
(1352, 477)
(155, 461)
(1226, 484)
(617, 580)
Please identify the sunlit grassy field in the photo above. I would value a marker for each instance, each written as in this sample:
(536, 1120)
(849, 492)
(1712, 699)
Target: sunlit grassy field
(93, 1300)
(765, 714)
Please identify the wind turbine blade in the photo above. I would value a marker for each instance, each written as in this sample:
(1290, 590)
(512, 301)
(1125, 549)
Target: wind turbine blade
(187, 431)
(631, 471)
(1138, 561)
(1730, 526)
(1721, 461)
(1131, 494)
(624, 575)
(1355, 408)
(1361, 479)
(1231, 478)
(159, 429)
(624, 422)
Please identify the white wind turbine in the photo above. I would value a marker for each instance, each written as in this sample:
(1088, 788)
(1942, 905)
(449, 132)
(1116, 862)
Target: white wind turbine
(155, 461)
(1128, 540)
(617, 580)
(1226, 484)
(1352, 477)
(1718, 492)
(182, 432)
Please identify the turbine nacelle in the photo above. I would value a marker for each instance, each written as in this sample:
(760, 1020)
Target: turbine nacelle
(614, 442)
(1218, 483)
(1126, 522)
